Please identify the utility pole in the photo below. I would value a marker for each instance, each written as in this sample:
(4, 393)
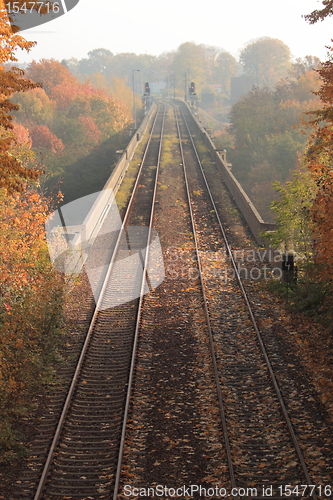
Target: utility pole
(134, 103)
(185, 86)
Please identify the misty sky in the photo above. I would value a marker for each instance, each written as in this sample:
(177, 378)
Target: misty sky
(157, 26)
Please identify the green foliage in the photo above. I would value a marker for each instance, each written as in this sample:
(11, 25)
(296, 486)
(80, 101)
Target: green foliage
(110, 65)
(81, 172)
(293, 209)
(282, 151)
(189, 57)
(307, 295)
(69, 130)
(35, 106)
(264, 126)
(268, 140)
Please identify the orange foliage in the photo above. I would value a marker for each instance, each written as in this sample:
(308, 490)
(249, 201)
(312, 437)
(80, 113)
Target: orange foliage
(319, 162)
(320, 15)
(30, 305)
(13, 174)
(30, 289)
(63, 95)
(42, 137)
(80, 99)
(22, 135)
(50, 73)
(22, 232)
(10, 40)
(91, 129)
(322, 218)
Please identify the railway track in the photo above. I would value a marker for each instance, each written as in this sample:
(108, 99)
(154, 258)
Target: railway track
(262, 445)
(204, 382)
(83, 456)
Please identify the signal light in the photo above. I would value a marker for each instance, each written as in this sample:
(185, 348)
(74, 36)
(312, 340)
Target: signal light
(147, 89)
(192, 88)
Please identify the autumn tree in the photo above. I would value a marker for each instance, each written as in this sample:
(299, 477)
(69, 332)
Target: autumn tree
(304, 208)
(31, 294)
(42, 138)
(225, 68)
(76, 113)
(321, 14)
(293, 208)
(304, 65)
(319, 161)
(99, 81)
(189, 58)
(50, 73)
(266, 61)
(268, 139)
(22, 135)
(13, 173)
(98, 60)
(30, 290)
(67, 119)
(120, 91)
(35, 107)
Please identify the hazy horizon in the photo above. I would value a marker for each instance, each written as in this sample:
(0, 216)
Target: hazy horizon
(142, 28)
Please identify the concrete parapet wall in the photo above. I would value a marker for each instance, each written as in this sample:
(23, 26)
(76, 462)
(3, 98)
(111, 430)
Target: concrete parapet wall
(245, 205)
(119, 171)
(97, 212)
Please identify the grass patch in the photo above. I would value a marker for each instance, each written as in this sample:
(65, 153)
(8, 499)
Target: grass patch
(309, 298)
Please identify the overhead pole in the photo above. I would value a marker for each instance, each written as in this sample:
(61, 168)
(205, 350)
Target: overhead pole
(185, 86)
(134, 102)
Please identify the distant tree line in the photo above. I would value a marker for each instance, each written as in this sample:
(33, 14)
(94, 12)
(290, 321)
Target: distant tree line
(66, 120)
(266, 140)
(265, 61)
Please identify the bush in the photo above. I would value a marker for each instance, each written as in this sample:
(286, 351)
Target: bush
(30, 310)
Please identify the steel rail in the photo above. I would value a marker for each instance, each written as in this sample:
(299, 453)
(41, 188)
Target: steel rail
(210, 334)
(85, 346)
(253, 320)
(136, 334)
